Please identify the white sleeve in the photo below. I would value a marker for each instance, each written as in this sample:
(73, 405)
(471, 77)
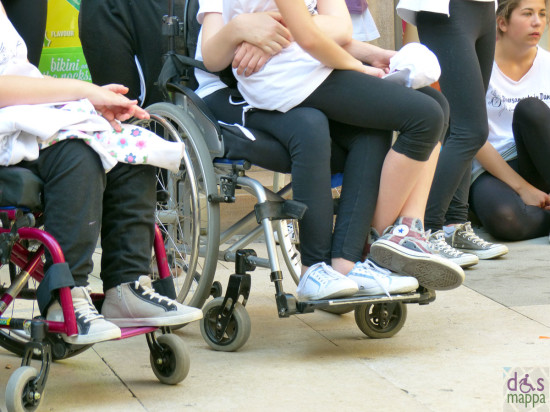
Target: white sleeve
(209, 6)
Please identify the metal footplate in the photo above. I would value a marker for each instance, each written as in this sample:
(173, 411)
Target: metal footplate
(288, 305)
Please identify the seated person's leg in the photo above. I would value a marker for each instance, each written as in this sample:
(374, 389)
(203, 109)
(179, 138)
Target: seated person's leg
(127, 236)
(503, 213)
(367, 150)
(74, 180)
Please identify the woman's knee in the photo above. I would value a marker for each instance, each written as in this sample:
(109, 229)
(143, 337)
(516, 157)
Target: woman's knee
(423, 130)
(531, 110)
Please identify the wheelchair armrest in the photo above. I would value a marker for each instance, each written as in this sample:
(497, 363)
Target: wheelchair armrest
(195, 107)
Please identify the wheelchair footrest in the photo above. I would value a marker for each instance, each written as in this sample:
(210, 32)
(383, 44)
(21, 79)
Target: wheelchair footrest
(422, 297)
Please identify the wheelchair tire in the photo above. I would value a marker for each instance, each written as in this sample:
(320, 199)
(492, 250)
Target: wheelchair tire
(237, 332)
(381, 320)
(173, 366)
(189, 222)
(17, 399)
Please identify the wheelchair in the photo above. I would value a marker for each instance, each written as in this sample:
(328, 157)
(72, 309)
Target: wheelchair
(24, 332)
(219, 159)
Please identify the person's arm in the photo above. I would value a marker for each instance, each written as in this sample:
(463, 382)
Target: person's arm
(370, 54)
(220, 41)
(493, 162)
(310, 37)
(334, 20)
(108, 100)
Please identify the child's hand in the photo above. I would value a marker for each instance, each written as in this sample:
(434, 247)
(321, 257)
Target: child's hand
(110, 101)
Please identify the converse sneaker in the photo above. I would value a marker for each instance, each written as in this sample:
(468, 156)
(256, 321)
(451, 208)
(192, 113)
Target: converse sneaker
(439, 245)
(322, 282)
(92, 327)
(403, 248)
(464, 239)
(137, 304)
(374, 280)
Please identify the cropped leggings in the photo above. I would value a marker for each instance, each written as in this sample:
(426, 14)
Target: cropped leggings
(500, 209)
(464, 44)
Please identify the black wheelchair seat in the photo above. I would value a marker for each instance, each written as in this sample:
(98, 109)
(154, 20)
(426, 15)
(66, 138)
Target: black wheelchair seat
(20, 187)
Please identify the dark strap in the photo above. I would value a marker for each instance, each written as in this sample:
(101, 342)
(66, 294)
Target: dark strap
(57, 276)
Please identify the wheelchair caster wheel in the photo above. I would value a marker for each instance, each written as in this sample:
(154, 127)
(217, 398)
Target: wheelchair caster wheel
(171, 364)
(381, 320)
(20, 396)
(236, 333)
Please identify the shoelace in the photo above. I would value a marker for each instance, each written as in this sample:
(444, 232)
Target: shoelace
(323, 274)
(372, 266)
(471, 235)
(368, 268)
(150, 292)
(438, 243)
(85, 310)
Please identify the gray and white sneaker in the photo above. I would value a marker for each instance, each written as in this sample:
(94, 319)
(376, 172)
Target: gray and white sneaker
(137, 304)
(464, 239)
(439, 245)
(322, 282)
(92, 327)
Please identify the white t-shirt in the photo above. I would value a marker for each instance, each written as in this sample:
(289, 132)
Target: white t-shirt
(364, 27)
(407, 9)
(288, 77)
(504, 94)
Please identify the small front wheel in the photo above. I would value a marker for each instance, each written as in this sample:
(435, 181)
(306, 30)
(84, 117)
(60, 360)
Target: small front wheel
(171, 365)
(237, 331)
(381, 320)
(20, 396)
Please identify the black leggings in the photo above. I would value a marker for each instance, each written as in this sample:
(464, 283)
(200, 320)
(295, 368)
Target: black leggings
(306, 134)
(353, 98)
(80, 200)
(499, 208)
(464, 44)
(29, 19)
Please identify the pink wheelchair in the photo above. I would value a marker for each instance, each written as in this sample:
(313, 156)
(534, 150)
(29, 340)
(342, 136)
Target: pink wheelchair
(24, 331)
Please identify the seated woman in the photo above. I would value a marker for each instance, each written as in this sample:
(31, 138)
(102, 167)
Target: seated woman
(361, 108)
(510, 193)
(53, 128)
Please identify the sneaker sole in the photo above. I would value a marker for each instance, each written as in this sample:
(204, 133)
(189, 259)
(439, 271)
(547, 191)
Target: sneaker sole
(465, 262)
(91, 339)
(157, 321)
(346, 293)
(432, 272)
(487, 254)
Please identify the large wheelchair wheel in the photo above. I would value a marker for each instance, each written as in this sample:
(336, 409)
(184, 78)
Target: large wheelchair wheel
(189, 222)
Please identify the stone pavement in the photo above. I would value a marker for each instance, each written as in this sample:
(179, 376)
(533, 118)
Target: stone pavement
(449, 356)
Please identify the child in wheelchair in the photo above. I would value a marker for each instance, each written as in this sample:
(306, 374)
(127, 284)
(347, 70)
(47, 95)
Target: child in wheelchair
(383, 187)
(69, 134)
